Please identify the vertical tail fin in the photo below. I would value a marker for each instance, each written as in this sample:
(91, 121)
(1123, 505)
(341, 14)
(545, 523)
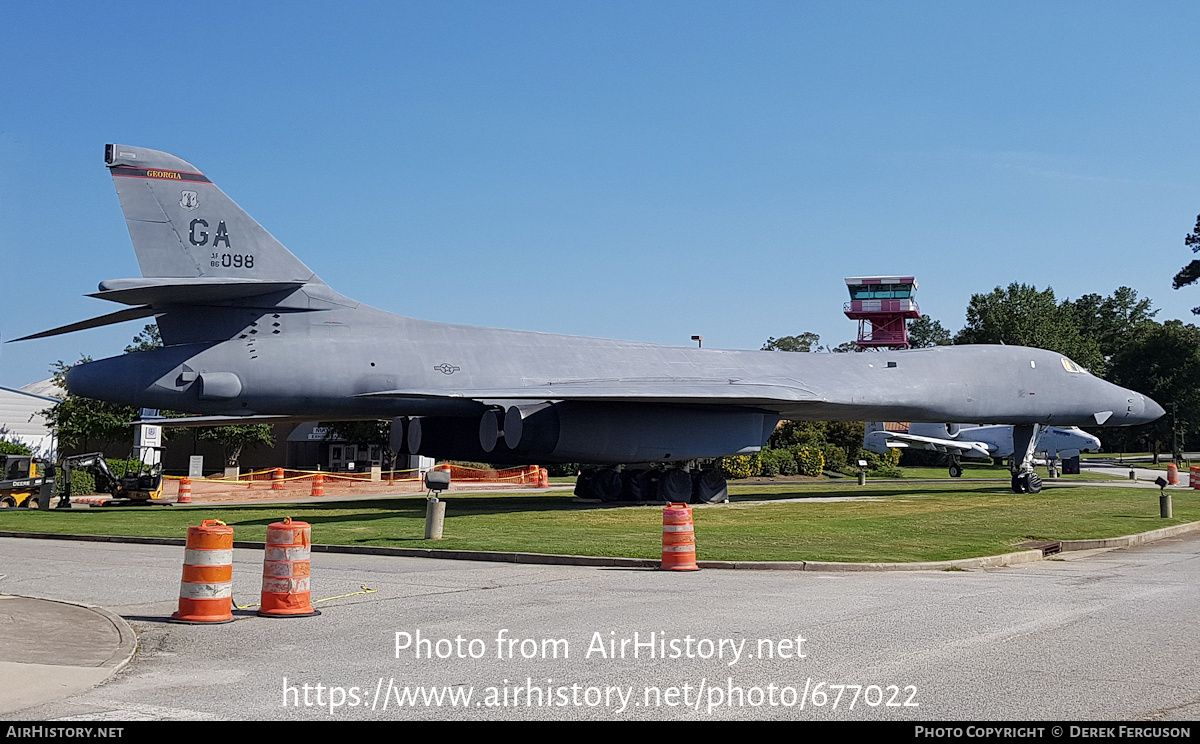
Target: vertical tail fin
(875, 438)
(182, 225)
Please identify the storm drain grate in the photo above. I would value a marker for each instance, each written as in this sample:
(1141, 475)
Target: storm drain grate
(1048, 547)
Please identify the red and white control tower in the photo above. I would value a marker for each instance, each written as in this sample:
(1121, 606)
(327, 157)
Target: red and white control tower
(881, 305)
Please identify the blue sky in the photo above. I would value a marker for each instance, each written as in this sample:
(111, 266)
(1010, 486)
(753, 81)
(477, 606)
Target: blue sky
(630, 170)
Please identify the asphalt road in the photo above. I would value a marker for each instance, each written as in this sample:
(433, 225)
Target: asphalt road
(1109, 635)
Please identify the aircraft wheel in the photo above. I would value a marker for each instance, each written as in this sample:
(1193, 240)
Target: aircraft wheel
(711, 488)
(675, 486)
(583, 484)
(8, 502)
(1032, 483)
(955, 470)
(639, 485)
(1018, 484)
(606, 485)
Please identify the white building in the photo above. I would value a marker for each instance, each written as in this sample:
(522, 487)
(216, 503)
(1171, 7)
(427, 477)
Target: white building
(20, 417)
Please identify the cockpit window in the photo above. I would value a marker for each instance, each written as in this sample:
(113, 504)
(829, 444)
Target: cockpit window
(1070, 366)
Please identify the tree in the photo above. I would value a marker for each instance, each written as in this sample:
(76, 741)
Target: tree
(148, 339)
(1190, 273)
(803, 342)
(1022, 316)
(1163, 362)
(924, 332)
(1114, 321)
(797, 434)
(234, 439)
(844, 348)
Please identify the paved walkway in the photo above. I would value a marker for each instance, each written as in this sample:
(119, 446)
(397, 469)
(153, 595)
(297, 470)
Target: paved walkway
(50, 650)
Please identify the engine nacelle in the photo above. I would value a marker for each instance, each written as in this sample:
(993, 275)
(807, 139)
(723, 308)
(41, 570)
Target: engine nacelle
(602, 433)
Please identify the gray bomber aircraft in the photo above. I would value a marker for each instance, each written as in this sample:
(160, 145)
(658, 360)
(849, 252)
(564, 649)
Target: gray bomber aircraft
(251, 333)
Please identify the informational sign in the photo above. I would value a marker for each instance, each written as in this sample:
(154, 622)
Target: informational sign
(147, 435)
(196, 466)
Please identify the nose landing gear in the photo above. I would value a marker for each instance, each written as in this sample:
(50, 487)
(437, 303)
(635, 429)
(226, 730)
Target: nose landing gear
(1024, 478)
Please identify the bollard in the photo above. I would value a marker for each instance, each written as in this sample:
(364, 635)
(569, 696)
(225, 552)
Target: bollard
(1164, 505)
(286, 571)
(678, 539)
(185, 491)
(435, 518)
(1173, 474)
(277, 479)
(206, 589)
(1132, 475)
(318, 485)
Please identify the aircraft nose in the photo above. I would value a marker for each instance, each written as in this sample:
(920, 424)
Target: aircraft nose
(1150, 410)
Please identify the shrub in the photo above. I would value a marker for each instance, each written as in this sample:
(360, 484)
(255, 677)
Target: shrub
(810, 461)
(13, 448)
(835, 457)
(121, 467)
(777, 462)
(82, 483)
(740, 466)
(880, 466)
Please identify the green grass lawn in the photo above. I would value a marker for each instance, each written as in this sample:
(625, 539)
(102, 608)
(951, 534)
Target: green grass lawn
(884, 522)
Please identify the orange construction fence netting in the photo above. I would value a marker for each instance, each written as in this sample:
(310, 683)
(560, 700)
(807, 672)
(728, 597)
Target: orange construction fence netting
(458, 473)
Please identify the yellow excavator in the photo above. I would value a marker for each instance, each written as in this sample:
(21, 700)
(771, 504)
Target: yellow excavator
(26, 480)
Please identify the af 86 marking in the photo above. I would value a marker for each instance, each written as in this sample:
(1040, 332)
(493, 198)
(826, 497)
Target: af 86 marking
(232, 260)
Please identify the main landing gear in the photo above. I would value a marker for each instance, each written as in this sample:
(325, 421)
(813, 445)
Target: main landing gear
(676, 485)
(1024, 478)
(956, 470)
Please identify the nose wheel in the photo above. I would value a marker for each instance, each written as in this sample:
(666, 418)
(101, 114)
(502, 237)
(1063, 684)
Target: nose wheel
(1027, 483)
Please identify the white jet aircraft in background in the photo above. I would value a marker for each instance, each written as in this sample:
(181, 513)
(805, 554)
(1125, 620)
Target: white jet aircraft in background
(976, 442)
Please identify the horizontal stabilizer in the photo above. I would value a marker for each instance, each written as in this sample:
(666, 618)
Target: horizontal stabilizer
(187, 290)
(18, 391)
(119, 316)
(664, 390)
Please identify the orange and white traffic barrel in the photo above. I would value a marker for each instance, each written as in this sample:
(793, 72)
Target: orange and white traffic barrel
(679, 539)
(286, 570)
(277, 479)
(206, 590)
(318, 485)
(1195, 476)
(185, 491)
(1172, 474)
(543, 478)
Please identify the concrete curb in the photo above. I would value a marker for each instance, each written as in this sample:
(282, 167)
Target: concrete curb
(34, 683)
(127, 639)
(553, 559)
(1128, 541)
